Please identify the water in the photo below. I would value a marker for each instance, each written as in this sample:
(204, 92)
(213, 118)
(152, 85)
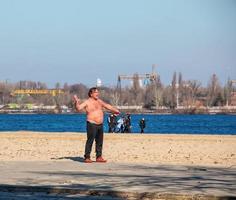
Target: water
(187, 124)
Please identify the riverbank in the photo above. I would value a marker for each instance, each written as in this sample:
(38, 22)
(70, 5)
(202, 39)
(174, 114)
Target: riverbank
(127, 109)
(171, 149)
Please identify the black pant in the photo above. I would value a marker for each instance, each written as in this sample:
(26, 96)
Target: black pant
(94, 131)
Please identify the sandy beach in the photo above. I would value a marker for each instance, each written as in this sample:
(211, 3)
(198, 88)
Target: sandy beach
(204, 150)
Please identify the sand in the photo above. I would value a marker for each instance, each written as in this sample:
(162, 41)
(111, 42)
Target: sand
(171, 149)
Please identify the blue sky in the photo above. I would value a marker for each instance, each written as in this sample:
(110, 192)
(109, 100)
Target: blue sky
(77, 41)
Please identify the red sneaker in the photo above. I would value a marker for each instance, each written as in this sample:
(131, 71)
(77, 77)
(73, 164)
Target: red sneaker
(100, 159)
(88, 160)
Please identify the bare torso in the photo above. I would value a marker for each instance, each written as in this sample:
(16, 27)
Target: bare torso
(94, 110)
(94, 107)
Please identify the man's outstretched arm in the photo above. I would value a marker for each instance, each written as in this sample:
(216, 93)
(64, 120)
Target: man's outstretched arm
(110, 107)
(79, 106)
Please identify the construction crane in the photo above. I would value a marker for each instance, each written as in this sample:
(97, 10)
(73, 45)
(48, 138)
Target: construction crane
(151, 77)
(52, 92)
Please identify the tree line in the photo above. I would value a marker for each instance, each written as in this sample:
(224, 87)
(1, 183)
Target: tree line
(153, 95)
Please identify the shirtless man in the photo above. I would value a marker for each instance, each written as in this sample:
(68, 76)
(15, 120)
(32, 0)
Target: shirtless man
(94, 110)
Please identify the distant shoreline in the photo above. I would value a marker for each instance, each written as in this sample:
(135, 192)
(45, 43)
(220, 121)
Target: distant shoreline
(209, 111)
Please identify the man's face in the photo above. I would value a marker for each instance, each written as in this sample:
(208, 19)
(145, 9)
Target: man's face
(95, 94)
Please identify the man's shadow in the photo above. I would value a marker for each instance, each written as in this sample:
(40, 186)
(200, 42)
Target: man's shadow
(77, 159)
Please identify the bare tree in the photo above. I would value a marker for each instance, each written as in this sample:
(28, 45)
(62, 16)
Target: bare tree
(214, 97)
(174, 92)
(149, 100)
(180, 89)
(57, 85)
(79, 89)
(115, 97)
(227, 92)
(168, 96)
(41, 85)
(191, 91)
(5, 92)
(136, 92)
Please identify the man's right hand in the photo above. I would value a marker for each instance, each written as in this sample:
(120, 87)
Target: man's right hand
(76, 99)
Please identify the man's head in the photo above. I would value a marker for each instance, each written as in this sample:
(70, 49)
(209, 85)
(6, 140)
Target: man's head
(93, 92)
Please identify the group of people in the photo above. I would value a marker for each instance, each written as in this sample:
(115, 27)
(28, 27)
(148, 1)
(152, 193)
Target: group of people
(94, 111)
(121, 125)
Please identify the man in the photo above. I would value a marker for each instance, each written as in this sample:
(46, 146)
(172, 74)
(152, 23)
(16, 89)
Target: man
(111, 120)
(142, 125)
(127, 123)
(94, 110)
(120, 125)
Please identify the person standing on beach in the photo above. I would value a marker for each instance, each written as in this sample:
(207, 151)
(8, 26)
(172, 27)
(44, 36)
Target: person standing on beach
(127, 123)
(111, 120)
(142, 125)
(94, 111)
